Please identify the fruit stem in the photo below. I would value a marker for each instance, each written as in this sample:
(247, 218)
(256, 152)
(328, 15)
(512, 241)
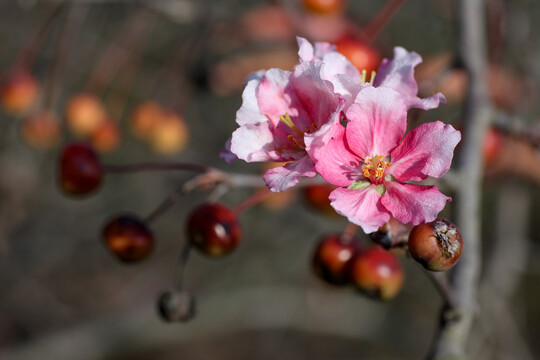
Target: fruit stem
(29, 50)
(165, 205)
(127, 72)
(381, 19)
(253, 200)
(349, 232)
(115, 54)
(61, 54)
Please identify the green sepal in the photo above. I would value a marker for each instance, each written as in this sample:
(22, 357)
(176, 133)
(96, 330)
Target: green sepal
(359, 185)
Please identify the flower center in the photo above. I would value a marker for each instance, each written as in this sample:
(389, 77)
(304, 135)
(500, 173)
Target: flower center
(374, 168)
(297, 138)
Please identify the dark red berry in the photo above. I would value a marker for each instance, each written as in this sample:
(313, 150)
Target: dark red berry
(128, 238)
(317, 197)
(213, 229)
(176, 305)
(80, 169)
(333, 256)
(377, 273)
(436, 245)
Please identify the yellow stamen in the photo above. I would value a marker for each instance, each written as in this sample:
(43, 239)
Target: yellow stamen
(286, 119)
(363, 76)
(374, 168)
(309, 131)
(372, 79)
(295, 141)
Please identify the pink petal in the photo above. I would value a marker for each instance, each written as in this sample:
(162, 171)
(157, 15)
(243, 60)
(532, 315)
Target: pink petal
(314, 96)
(425, 151)
(249, 111)
(398, 74)
(308, 52)
(274, 95)
(428, 103)
(335, 63)
(305, 49)
(281, 178)
(362, 207)
(333, 159)
(377, 122)
(411, 203)
(258, 142)
(347, 87)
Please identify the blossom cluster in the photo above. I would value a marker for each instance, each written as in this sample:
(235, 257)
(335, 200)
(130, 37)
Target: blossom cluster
(325, 118)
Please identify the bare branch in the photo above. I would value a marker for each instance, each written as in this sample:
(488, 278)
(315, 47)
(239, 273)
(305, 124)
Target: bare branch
(453, 335)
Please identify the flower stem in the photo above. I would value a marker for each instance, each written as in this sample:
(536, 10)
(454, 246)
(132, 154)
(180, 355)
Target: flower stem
(253, 200)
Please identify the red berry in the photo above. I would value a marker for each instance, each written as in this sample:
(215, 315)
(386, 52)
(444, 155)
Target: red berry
(324, 6)
(362, 55)
(332, 258)
(377, 273)
(80, 169)
(128, 238)
(436, 245)
(214, 229)
(317, 197)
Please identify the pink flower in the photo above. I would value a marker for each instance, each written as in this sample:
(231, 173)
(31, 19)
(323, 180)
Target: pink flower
(397, 74)
(373, 163)
(279, 108)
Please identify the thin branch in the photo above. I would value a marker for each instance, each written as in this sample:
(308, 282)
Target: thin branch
(452, 338)
(442, 285)
(154, 166)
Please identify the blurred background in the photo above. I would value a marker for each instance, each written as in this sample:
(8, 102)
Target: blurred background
(165, 78)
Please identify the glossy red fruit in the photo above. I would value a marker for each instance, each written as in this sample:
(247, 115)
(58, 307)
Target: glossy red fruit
(324, 6)
(317, 197)
(436, 245)
(80, 169)
(332, 258)
(377, 273)
(213, 229)
(128, 238)
(362, 55)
